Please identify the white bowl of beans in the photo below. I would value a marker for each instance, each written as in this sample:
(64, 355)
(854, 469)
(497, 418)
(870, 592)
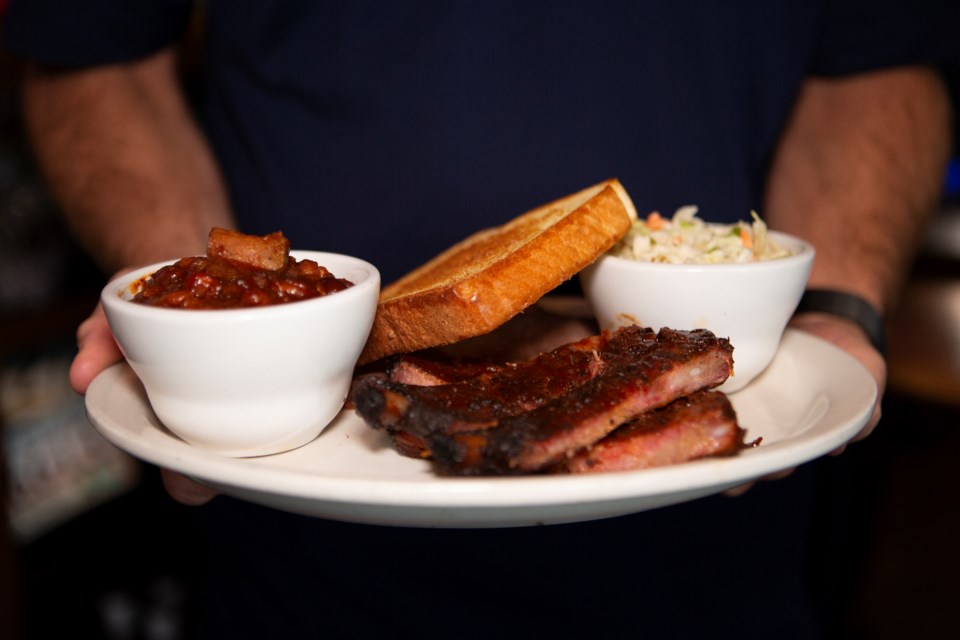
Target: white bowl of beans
(252, 378)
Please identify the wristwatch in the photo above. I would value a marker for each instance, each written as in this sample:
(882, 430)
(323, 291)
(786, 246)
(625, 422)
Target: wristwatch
(849, 306)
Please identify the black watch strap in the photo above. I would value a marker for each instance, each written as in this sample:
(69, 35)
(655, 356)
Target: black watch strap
(846, 305)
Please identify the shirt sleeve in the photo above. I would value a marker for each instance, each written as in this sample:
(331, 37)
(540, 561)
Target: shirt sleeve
(863, 35)
(78, 33)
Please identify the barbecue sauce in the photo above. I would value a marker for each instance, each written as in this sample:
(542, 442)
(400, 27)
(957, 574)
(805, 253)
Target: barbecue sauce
(238, 271)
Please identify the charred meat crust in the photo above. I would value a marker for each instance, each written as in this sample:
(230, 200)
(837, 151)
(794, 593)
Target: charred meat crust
(640, 375)
(474, 402)
(525, 417)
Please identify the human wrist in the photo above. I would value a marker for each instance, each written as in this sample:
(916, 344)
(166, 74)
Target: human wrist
(849, 306)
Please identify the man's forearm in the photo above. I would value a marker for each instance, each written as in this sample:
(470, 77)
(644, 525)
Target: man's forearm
(859, 172)
(125, 160)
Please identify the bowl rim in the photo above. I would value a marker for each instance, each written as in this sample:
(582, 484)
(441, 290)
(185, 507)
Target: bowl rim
(111, 295)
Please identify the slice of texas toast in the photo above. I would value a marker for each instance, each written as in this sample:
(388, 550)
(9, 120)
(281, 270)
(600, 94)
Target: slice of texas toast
(486, 279)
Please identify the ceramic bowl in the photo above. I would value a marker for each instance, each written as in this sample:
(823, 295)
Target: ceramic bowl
(748, 303)
(252, 381)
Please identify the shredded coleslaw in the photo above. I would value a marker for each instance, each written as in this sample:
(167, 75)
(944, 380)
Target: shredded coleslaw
(687, 239)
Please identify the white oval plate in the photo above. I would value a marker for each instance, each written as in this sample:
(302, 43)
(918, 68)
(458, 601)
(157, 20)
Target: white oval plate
(812, 399)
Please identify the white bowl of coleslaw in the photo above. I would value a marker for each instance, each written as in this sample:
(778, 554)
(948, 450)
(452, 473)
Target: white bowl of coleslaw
(740, 281)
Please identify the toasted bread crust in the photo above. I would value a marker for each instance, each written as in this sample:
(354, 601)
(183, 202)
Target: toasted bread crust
(491, 276)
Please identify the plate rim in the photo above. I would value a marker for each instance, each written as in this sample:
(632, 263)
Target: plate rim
(246, 476)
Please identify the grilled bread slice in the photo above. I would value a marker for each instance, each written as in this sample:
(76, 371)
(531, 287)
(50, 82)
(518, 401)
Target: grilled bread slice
(481, 282)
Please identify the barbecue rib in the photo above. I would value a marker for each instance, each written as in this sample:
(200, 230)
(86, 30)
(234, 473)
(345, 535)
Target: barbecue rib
(700, 425)
(528, 416)
(423, 394)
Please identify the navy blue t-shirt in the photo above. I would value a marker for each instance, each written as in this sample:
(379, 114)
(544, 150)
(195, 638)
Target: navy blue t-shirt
(392, 129)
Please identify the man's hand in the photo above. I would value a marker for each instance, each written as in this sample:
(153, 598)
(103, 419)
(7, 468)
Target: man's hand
(186, 491)
(97, 350)
(846, 335)
(851, 338)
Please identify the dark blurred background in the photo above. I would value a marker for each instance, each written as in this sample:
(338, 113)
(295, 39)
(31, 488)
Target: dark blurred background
(91, 546)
